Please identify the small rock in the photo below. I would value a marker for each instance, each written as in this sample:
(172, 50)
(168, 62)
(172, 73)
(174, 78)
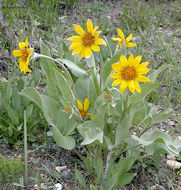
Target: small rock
(58, 186)
(171, 123)
(173, 164)
(169, 157)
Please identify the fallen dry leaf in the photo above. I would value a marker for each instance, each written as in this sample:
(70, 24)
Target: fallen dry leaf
(173, 164)
(60, 168)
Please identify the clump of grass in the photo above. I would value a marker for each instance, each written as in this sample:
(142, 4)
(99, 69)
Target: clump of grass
(10, 171)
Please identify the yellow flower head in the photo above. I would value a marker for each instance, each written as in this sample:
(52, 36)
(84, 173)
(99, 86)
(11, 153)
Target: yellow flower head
(107, 97)
(83, 108)
(67, 109)
(24, 53)
(122, 39)
(86, 41)
(129, 72)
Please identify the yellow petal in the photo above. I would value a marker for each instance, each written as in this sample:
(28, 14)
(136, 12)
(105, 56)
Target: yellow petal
(76, 50)
(80, 107)
(117, 39)
(129, 38)
(116, 82)
(131, 45)
(87, 52)
(143, 79)
(96, 27)
(144, 64)
(137, 86)
(78, 29)
(75, 45)
(26, 42)
(114, 75)
(89, 26)
(131, 86)
(138, 59)
(131, 59)
(17, 53)
(21, 66)
(75, 39)
(116, 67)
(86, 104)
(20, 60)
(120, 43)
(95, 48)
(123, 86)
(123, 59)
(142, 71)
(90, 116)
(21, 45)
(81, 54)
(121, 34)
(100, 41)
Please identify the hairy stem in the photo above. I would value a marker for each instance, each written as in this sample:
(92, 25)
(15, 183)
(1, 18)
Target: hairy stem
(107, 167)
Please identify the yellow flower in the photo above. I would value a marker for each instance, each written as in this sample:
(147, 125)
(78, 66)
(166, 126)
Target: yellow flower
(107, 97)
(122, 39)
(83, 108)
(67, 109)
(24, 53)
(86, 41)
(129, 72)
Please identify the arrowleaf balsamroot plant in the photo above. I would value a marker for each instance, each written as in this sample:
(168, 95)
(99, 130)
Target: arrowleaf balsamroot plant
(110, 133)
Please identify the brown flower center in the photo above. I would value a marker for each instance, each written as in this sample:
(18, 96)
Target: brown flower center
(128, 73)
(25, 54)
(83, 113)
(88, 39)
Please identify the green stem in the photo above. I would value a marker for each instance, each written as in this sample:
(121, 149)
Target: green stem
(25, 149)
(122, 151)
(125, 105)
(46, 138)
(101, 65)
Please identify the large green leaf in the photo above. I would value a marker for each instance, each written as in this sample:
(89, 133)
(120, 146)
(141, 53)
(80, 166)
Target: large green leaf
(13, 115)
(126, 178)
(64, 87)
(81, 87)
(65, 124)
(65, 142)
(124, 125)
(153, 76)
(33, 95)
(49, 108)
(92, 94)
(98, 165)
(76, 70)
(145, 90)
(159, 142)
(80, 178)
(93, 130)
(90, 134)
(47, 66)
(95, 79)
(158, 118)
